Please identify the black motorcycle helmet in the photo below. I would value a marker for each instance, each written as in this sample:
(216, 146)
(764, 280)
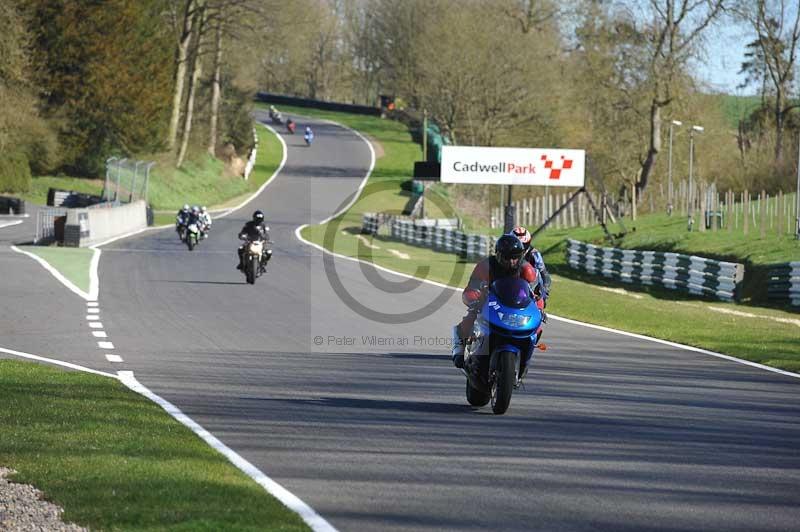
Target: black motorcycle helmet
(258, 217)
(508, 249)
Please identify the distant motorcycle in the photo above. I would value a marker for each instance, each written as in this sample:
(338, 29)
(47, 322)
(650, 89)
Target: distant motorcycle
(291, 126)
(192, 235)
(504, 338)
(309, 136)
(275, 116)
(255, 253)
(180, 227)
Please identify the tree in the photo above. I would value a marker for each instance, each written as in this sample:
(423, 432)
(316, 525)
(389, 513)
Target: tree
(182, 16)
(25, 138)
(104, 70)
(669, 38)
(200, 25)
(772, 56)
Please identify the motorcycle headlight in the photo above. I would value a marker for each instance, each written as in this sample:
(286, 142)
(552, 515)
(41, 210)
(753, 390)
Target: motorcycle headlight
(514, 320)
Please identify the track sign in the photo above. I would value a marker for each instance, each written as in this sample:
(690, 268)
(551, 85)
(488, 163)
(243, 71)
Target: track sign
(513, 166)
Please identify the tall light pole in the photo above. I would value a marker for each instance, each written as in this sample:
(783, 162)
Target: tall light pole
(669, 171)
(797, 196)
(698, 129)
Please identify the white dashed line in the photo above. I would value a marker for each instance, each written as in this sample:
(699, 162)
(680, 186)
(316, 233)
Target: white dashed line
(400, 254)
(99, 334)
(95, 325)
(105, 345)
(91, 317)
(93, 310)
(114, 358)
(366, 242)
(620, 291)
(92, 304)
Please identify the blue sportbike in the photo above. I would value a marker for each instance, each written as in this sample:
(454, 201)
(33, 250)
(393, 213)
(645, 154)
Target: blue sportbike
(504, 337)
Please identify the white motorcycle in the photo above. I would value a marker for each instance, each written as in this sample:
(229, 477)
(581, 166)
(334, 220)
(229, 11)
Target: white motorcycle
(256, 255)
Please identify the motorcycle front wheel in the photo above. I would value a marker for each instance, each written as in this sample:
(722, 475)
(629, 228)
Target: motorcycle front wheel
(503, 384)
(476, 397)
(252, 266)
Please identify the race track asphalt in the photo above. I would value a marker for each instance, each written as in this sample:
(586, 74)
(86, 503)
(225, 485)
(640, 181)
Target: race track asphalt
(366, 420)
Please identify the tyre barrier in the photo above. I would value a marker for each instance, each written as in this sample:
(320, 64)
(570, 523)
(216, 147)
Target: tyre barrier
(430, 233)
(686, 273)
(784, 283)
(10, 205)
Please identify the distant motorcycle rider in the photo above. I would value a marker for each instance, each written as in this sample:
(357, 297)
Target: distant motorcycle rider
(183, 215)
(182, 219)
(534, 257)
(205, 219)
(254, 230)
(507, 261)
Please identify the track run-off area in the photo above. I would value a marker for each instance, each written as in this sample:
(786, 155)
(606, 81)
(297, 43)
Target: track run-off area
(329, 381)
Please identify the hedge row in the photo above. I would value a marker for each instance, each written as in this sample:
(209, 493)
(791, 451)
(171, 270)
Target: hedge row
(15, 172)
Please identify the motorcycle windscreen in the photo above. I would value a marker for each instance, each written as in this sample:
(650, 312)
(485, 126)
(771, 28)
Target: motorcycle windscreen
(512, 292)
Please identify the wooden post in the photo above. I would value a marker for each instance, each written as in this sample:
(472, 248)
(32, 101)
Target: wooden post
(779, 208)
(714, 210)
(633, 201)
(528, 211)
(731, 205)
(746, 211)
(701, 212)
(762, 212)
(571, 214)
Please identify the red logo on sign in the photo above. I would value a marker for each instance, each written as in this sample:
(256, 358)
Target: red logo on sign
(555, 173)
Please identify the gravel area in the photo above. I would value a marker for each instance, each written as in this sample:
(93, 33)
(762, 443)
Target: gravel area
(22, 509)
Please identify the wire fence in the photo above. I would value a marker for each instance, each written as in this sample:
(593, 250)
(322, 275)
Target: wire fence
(126, 180)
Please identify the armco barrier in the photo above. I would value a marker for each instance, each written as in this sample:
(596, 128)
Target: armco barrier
(93, 225)
(687, 273)
(784, 283)
(434, 234)
(279, 99)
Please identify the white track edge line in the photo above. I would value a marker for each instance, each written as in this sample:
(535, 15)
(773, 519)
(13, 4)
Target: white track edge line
(680, 346)
(55, 273)
(558, 318)
(9, 224)
(313, 519)
(56, 362)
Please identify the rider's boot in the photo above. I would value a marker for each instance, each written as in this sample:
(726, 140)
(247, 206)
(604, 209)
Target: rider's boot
(458, 348)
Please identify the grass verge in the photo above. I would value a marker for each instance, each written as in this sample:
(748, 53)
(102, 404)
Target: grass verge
(40, 185)
(114, 460)
(72, 263)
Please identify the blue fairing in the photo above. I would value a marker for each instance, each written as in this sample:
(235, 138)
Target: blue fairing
(510, 310)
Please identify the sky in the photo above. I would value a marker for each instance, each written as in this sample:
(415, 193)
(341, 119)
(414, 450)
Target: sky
(724, 54)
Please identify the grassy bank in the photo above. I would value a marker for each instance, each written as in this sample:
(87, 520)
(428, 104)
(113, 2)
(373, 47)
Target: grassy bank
(201, 181)
(211, 188)
(114, 460)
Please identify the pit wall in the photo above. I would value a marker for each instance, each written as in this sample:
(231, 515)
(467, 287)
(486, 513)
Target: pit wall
(89, 226)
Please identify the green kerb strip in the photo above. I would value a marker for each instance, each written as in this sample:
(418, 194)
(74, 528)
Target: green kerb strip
(72, 263)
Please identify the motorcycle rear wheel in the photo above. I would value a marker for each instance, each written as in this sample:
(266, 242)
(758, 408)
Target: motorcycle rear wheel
(503, 384)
